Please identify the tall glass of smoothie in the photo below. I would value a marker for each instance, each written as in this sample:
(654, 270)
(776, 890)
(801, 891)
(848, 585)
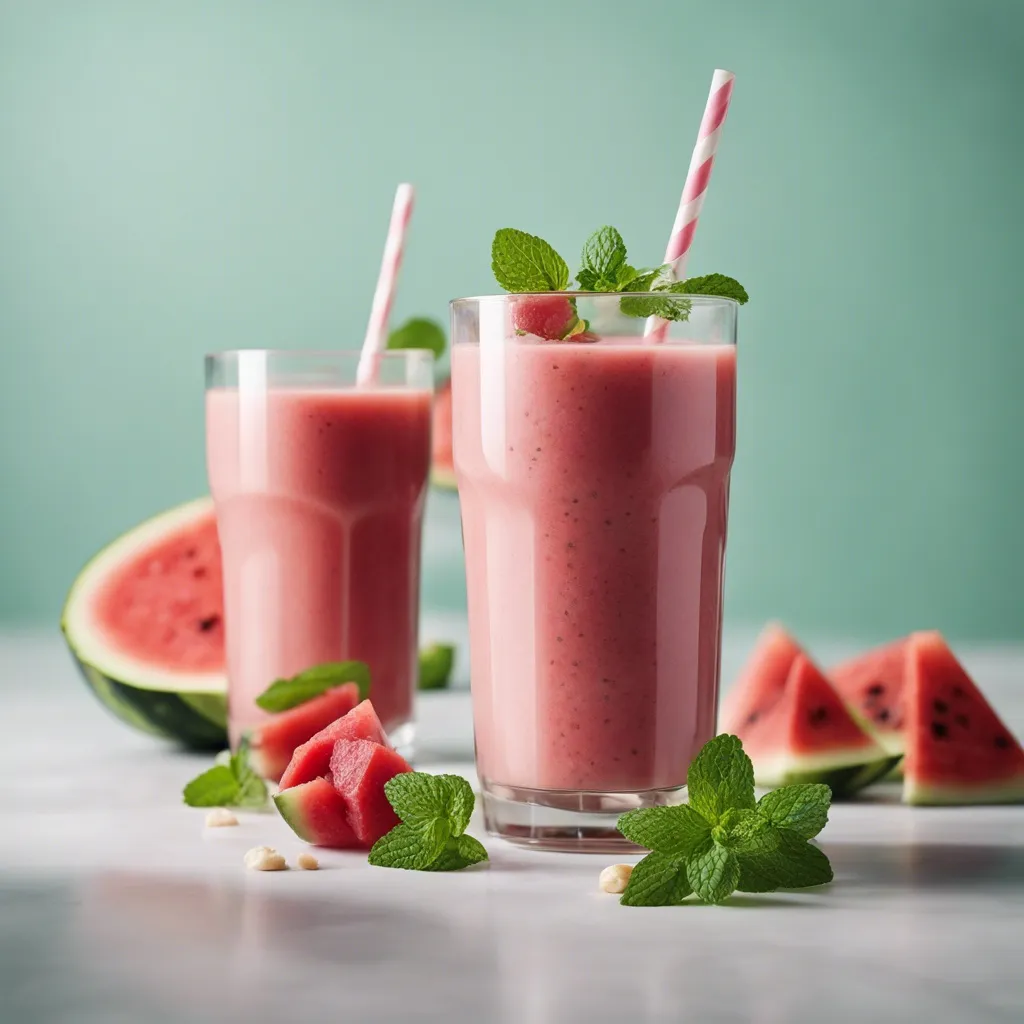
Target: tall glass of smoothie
(319, 486)
(593, 480)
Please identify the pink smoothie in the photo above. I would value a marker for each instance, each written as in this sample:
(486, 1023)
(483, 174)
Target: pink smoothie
(319, 498)
(594, 487)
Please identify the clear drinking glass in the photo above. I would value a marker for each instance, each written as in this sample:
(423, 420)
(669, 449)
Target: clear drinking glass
(594, 487)
(319, 488)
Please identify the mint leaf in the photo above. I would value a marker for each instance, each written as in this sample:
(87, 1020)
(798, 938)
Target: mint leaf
(802, 808)
(462, 801)
(720, 777)
(624, 276)
(419, 332)
(674, 831)
(526, 263)
(418, 796)
(657, 304)
(604, 253)
(459, 852)
(410, 846)
(588, 280)
(216, 787)
(436, 662)
(794, 864)
(750, 832)
(714, 284)
(289, 693)
(252, 790)
(657, 881)
(713, 872)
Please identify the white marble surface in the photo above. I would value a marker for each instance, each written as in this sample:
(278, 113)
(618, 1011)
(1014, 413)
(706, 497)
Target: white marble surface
(116, 906)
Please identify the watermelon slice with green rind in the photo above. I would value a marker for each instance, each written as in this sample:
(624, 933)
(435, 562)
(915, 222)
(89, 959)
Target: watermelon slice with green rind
(762, 682)
(958, 750)
(872, 686)
(317, 814)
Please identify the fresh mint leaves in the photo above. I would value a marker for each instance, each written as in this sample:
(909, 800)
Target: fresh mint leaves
(289, 693)
(233, 784)
(419, 332)
(436, 663)
(723, 840)
(526, 263)
(435, 811)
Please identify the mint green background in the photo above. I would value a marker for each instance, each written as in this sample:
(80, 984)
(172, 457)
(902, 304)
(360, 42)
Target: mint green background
(183, 176)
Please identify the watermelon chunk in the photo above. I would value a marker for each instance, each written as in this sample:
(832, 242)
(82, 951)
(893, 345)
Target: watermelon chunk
(272, 743)
(762, 682)
(808, 735)
(359, 769)
(317, 814)
(958, 749)
(872, 685)
(313, 758)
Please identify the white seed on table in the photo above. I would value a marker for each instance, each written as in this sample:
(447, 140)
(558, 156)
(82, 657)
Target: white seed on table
(264, 858)
(220, 817)
(615, 877)
(308, 862)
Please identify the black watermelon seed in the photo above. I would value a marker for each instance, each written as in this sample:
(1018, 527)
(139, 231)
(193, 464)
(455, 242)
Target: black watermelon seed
(752, 717)
(882, 715)
(940, 730)
(963, 720)
(1001, 742)
(941, 707)
(817, 716)
(876, 689)
(958, 691)
(209, 623)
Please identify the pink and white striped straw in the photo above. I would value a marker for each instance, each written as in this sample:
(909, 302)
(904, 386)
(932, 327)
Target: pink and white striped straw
(696, 186)
(376, 338)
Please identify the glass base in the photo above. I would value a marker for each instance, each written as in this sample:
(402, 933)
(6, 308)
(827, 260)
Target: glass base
(403, 739)
(566, 820)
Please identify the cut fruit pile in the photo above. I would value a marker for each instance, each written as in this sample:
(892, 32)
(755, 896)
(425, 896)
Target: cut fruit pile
(911, 696)
(332, 792)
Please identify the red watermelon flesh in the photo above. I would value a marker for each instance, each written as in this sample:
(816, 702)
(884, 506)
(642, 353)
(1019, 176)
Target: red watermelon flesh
(808, 735)
(317, 814)
(273, 743)
(359, 769)
(958, 749)
(313, 758)
(762, 682)
(872, 685)
(165, 606)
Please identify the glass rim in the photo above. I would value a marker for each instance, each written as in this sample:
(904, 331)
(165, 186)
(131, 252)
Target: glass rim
(701, 300)
(391, 354)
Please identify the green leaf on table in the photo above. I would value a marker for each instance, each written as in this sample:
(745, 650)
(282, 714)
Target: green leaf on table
(674, 831)
(720, 777)
(802, 808)
(713, 872)
(657, 881)
(289, 693)
(230, 784)
(458, 853)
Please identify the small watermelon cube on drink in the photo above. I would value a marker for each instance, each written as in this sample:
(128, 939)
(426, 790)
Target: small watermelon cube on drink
(359, 769)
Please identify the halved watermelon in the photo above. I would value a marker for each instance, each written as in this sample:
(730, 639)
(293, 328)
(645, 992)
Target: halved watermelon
(272, 743)
(762, 681)
(313, 758)
(145, 623)
(958, 749)
(807, 735)
(442, 469)
(872, 685)
(359, 769)
(317, 814)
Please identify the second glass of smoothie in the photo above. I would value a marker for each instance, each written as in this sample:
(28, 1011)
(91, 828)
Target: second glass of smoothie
(319, 486)
(594, 487)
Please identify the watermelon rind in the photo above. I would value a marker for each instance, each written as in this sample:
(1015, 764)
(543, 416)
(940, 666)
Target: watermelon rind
(921, 794)
(844, 772)
(289, 806)
(189, 707)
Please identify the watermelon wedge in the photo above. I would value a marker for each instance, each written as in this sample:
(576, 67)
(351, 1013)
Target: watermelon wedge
(762, 681)
(317, 814)
(958, 749)
(272, 744)
(807, 735)
(359, 769)
(144, 623)
(872, 686)
(313, 758)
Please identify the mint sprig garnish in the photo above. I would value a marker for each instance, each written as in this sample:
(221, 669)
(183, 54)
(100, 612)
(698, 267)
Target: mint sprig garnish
(233, 784)
(723, 841)
(419, 332)
(435, 811)
(526, 263)
(283, 694)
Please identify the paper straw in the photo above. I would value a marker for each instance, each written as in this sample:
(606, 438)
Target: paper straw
(380, 312)
(696, 187)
